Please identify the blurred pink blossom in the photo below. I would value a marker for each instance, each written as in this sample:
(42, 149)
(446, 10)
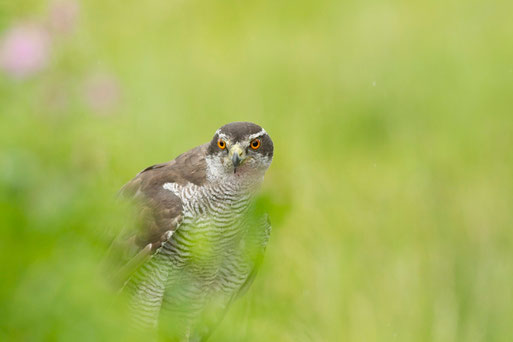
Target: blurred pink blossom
(63, 15)
(102, 92)
(24, 50)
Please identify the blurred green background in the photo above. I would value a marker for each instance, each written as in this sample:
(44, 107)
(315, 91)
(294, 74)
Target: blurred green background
(391, 191)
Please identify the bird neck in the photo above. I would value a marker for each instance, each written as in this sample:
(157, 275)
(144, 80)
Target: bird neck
(243, 184)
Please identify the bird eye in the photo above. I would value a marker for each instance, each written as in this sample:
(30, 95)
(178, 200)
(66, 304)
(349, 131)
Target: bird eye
(221, 143)
(255, 144)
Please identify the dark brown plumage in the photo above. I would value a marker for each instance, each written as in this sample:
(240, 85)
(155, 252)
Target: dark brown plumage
(160, 210)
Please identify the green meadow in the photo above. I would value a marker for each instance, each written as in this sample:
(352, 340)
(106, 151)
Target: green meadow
(391, 189)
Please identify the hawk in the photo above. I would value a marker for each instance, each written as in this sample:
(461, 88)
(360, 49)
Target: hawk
(199, 236)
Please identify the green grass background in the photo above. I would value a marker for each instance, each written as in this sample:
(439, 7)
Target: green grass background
(391, 191)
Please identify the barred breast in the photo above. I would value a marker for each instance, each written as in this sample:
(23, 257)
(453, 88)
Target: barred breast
(206, 257)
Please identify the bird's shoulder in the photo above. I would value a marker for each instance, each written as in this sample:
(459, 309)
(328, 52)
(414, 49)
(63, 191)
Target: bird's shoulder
(189, 167)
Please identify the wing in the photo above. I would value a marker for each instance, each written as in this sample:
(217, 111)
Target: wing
(158, 211)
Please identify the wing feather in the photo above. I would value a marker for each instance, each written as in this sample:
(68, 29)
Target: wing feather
(158, 211)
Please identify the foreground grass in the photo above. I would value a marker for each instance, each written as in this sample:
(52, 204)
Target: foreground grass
(391, 190)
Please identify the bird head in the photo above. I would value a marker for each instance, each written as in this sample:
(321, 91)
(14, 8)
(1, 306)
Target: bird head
(241, 148)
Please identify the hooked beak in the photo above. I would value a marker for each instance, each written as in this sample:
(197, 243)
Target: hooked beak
(237, 156)
(236, 160)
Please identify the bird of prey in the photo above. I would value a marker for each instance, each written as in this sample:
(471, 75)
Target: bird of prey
(199, 236)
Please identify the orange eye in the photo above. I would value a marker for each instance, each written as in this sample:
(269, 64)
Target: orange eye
(221, 144)
(255, 144)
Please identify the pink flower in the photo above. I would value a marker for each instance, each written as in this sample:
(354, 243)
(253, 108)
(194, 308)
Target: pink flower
(24, 50)
(63, 15)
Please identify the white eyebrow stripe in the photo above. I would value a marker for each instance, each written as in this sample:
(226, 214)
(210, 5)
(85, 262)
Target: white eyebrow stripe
(222, 136)
(256, 135)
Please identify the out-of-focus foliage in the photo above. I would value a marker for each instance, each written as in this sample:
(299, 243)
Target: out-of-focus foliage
(391, 192)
